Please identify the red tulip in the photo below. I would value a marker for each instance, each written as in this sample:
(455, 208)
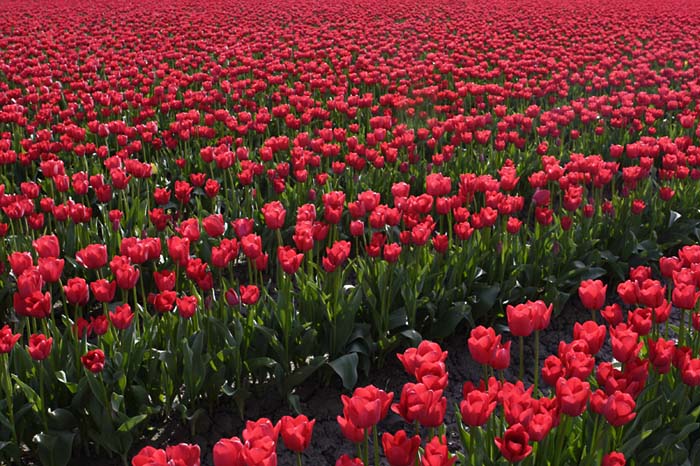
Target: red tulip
(93, 256)
(186, 306)
(552, 370)
(274, 214)
(189, 229)
(367, 406)
(77, 291)
(625, 343)
(249, 294)
(690, 371)
(296, 432)
(183, 455)
(179, 250)
(427, 351)
(7, 339)
(228, 452)
(482, 342)
(39, 346)
(614, 458)
(19, 262)
(252, 246)
(437, 454)
(540, 425)
(93, 360)
(619, 409)
(514, 445)
(592, 294)
(685, 296)
(572, 395)
(628, 292)
(164, 301)
(345, 460)
(289, 259)
(476, 408)
(668, 265)
(336, 255)
(399, 449)
(351, 431)
(51, 268)
(214, 225)
(520, 319)
(103, 290)
(165, 280)
(592, 333)
(651, 293)
(261, 429)
(612, 314)
(149, 456)
(98, 325)
(47, 246)
(121, 316)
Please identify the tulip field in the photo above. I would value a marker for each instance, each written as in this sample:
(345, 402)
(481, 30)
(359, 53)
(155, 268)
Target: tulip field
(207, 202)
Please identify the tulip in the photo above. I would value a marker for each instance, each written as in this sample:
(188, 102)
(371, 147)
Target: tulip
(345, 460)
(572, 395)
(514, 445)
(592, 294)
(482, 342)
(7, 339)
(214, 225)
(476, 408)
(93, 360)
(249, 294)
(437, 454)
(47, 246)
(186, 306)
(296, 432)
(77, 291)
(614, 458)
(399, 449)
(619, 409)
(122, 316)
(228, 452)
(93, 256)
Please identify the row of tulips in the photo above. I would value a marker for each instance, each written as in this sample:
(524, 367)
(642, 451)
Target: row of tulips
(636, 406)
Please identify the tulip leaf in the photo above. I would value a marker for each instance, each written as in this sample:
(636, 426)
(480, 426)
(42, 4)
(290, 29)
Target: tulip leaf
(303, 373)
(447, 322)
(54, 447)
(61, 419)
(132, 422)
(346, 367)
(485, 298)
(673, 217)
(29, 393)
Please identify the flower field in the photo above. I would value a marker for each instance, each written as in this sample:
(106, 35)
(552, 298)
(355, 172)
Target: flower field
(204, 202)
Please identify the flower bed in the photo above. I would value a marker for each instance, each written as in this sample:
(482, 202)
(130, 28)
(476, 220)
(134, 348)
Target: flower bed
(204, 202)
(640, 405)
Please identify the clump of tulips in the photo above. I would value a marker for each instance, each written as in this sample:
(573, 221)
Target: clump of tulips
(590, 411)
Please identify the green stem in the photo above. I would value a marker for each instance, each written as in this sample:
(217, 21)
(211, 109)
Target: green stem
(299, 462)
(365, 455)
(537, 361)
(376, 446)
(44, 418)
(522, 358)
(681, 330)
(7, 387)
